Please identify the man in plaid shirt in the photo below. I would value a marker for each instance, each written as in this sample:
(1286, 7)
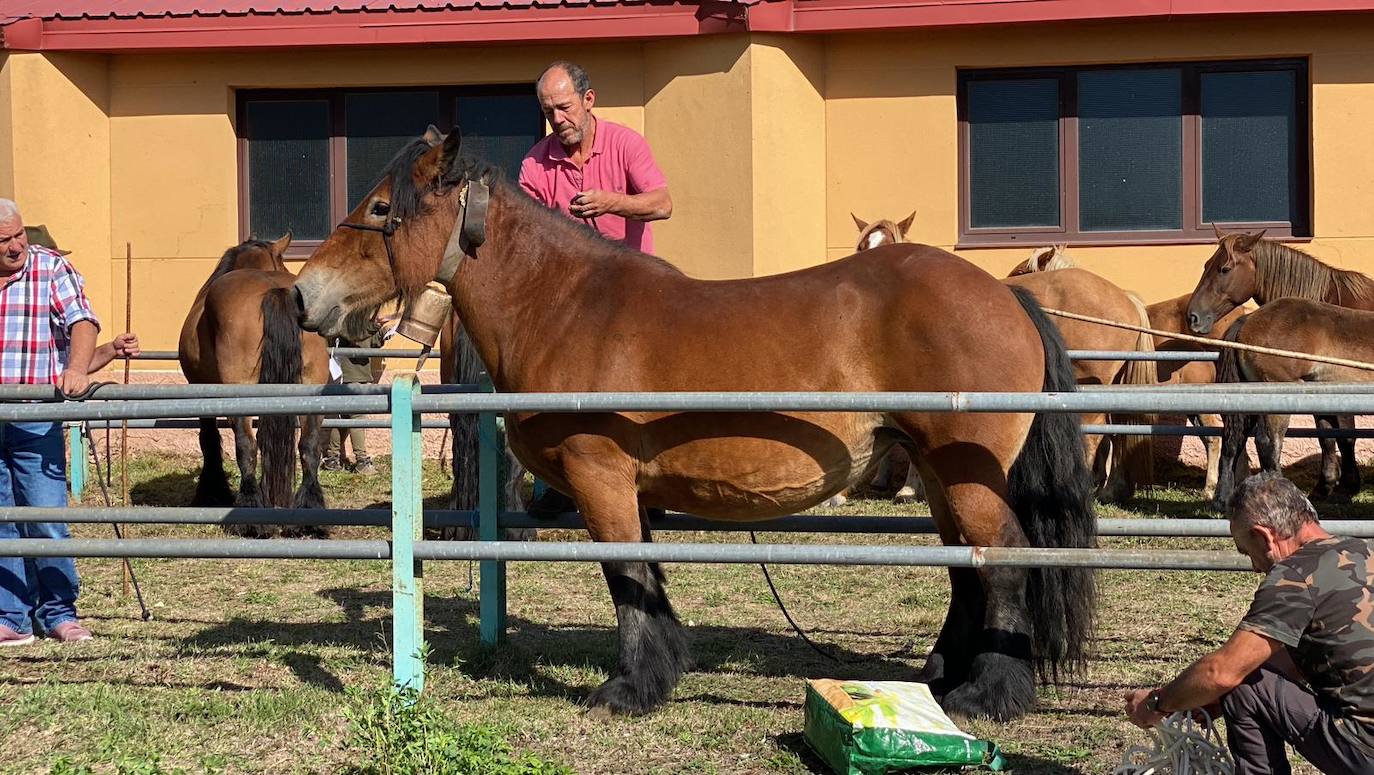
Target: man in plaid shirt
(47, 337)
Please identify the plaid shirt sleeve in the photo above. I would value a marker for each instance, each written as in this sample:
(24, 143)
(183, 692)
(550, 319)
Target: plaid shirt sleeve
(69, 303)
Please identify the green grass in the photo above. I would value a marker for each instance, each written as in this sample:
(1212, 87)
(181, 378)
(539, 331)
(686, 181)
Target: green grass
(274, 666)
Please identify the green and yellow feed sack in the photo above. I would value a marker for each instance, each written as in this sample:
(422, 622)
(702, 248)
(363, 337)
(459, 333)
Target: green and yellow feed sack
(875, 727)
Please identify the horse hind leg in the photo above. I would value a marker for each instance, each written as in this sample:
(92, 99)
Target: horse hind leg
(1349, 484)
(653, 648)
(999, 681)
(950, 659)
(246, 455)
(310, 495)
(212, 487)
(1329, 471)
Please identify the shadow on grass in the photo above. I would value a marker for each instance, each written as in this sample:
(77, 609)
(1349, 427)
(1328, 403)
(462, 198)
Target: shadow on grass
(530, 649)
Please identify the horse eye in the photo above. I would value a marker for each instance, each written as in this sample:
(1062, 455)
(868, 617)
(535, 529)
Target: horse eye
(381, 208)
(1224, 268)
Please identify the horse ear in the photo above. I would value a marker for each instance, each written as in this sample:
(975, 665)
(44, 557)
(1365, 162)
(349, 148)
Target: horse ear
(906, 222)
(857, 222)
(1247, 242)
(453, 146)
(433, 136)
(280, 245)
(1217, 230)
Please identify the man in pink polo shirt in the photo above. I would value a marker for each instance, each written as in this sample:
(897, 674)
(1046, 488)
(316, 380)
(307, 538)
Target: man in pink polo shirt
(594, 170)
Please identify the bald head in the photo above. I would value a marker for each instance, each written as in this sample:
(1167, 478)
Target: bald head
(575, 76)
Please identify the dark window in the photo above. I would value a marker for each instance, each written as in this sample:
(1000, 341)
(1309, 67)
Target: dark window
(290, 137)
(308, 157)
(1133, 153)
(1014, 175)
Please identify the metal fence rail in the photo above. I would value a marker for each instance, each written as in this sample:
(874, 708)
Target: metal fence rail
(526, 551)
(343, 352)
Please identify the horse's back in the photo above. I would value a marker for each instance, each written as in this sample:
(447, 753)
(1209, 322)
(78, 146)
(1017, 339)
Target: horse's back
(896, 317)
(1307, 326)
(232, 321)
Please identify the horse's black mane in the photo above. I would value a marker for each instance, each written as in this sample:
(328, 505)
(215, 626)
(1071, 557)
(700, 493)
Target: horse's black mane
(407, 199)
(227, 262)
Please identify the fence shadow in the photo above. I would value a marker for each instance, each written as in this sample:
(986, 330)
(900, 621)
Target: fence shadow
(531, 647)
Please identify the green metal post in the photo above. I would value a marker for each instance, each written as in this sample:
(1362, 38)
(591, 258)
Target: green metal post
(491, 445)
(407, 522)
(77, 469)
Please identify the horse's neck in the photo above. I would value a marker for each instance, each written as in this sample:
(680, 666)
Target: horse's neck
(526, 286)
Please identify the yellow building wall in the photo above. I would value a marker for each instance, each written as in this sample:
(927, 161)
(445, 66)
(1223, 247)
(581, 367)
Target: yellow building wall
(55, 161)
(892, 144)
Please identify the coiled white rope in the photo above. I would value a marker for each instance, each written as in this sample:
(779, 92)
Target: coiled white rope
(1180, 745)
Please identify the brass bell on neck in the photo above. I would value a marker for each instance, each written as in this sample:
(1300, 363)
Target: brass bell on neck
(425, 316)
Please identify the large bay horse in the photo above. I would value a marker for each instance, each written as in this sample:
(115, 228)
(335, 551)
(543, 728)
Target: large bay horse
(1172, 315)
(1247, 266)
(551, 306)
(243, 329)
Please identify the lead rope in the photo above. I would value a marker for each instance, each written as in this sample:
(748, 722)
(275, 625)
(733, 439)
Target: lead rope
(1214, 343)
(1181, 744)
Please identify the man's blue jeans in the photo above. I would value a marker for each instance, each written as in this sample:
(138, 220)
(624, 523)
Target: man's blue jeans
(33, 473)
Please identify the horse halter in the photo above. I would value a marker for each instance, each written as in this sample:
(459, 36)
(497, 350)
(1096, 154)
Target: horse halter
(426, 314)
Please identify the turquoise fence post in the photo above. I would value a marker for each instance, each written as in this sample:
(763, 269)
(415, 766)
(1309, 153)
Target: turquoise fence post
(76, 471)
(407, 524)
(491, 445)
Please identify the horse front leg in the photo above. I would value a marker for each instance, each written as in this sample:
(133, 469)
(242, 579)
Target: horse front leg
(1213, 447)
(653, 648)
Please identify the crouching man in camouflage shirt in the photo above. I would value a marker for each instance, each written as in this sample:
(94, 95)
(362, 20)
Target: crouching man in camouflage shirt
(1300, 666)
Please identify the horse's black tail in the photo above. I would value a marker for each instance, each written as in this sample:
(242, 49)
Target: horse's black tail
(279, 362)
(1052, 493)
(1235, 427)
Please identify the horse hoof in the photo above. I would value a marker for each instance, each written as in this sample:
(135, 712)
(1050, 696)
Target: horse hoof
(618, 696)
(836, 501)
(1001, 688)
(906, 496)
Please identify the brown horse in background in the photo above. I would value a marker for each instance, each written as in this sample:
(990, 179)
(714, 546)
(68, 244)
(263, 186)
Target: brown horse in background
(1120, 463)
(552, 306)
(1172, 315)
(1247, 266)
(1302, 326)
(242, 329)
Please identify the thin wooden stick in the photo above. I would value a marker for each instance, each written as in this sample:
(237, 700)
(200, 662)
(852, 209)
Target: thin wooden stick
(1254, 348)
(124, 425)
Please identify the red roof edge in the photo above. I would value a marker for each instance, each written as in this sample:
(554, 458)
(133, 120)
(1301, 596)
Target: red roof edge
(373, 28)
(654, 19)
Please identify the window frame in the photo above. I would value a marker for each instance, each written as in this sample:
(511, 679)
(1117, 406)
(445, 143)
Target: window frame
(1194, 230)
(336, 98)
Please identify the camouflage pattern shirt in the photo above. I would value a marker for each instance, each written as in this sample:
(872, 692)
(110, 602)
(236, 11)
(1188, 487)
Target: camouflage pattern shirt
(1318, 602)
